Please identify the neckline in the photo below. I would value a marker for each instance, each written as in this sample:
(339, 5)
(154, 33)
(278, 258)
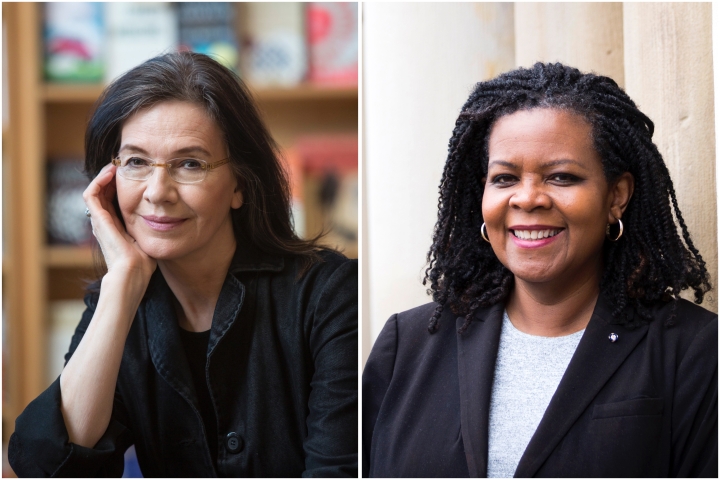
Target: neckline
(514, 330)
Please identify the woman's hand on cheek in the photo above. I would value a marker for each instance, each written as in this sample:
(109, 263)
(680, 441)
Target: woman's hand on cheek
(122, 253)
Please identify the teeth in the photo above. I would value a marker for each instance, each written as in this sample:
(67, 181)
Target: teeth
(535, 234)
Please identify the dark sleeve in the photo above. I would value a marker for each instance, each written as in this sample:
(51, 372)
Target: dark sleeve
(40, 446)
(375, 381)
(695, 411)
(331, 444)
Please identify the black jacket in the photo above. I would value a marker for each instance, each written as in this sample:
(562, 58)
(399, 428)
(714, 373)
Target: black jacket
(282, 372)
(643, 406)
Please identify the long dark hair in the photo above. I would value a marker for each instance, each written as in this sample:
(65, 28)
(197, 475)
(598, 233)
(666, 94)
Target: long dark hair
(651, 262)
(265, 219)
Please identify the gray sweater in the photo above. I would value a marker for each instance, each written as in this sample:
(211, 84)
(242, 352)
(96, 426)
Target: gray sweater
(527, 373)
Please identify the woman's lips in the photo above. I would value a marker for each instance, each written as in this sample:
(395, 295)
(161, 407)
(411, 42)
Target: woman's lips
(534, 236)
(163, 224)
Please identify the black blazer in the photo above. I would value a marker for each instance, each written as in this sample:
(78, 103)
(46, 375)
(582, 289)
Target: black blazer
(645, 405)
(281, 368)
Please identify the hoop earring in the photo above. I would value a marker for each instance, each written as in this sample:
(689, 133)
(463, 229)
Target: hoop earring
(484, 233)
(620, 233)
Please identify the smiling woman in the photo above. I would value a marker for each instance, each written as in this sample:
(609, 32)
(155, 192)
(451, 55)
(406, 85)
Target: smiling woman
(217, 341)
(557, 344)
(546, 207)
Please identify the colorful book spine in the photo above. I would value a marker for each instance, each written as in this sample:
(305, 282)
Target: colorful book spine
(277, 52)
(138, 31)
(333, 43)
(209, 28)
(73, 42)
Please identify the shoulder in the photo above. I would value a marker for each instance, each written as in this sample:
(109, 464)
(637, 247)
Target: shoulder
(330, 262)
(685, 332)
(327, 261)
(683, 322)
(406, 336)
(332, 271)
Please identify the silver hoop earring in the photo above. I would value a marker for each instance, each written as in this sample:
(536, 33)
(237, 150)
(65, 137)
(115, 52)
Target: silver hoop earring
(484, 233)
(620, 233)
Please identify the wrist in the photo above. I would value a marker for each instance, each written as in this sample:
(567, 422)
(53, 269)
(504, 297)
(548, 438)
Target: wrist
(128, 284)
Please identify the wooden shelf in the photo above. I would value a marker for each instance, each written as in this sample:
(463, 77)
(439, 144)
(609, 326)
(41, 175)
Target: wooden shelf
(88, 93)
(305, 92)
(68, 257)
(65, 93)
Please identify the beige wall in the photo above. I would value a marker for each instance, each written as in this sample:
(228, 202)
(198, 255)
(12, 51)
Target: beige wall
(588, 36)
(669, 74)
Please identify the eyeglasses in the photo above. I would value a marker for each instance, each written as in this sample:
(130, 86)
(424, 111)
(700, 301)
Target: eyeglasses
(182, 170)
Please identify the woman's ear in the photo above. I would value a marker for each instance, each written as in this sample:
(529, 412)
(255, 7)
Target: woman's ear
(621, 193)
(237, 199)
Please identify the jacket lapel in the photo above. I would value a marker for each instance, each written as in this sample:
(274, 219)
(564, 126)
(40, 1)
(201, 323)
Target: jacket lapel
(592, 365)
(477, 351)
(164, 340)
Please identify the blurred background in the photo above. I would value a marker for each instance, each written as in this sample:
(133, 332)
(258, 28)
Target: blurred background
(420, 63)
(300, 60)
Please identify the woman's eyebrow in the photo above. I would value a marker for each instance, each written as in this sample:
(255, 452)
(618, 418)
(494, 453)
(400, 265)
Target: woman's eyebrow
(555, 163)
(180, 151)
(132, 148)
(193, 149)
(552, 163)
(502, 163)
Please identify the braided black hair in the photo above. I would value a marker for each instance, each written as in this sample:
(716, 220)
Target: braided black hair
(651, 262)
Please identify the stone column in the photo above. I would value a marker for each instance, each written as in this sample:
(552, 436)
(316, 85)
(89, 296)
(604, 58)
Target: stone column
(669, 74)
(588, 36)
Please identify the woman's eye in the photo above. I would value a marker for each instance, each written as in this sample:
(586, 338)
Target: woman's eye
(189, 164)
(503, 179)
(563, 178)
(136, 162)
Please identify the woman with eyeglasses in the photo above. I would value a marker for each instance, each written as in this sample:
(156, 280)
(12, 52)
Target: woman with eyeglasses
(217, 342)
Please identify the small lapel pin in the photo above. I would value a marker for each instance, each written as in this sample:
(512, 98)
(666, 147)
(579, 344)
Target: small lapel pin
(613, 337)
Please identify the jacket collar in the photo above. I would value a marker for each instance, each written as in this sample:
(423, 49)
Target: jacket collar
(592, 365)
(249, 258)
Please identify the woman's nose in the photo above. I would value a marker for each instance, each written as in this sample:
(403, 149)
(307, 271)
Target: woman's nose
(529, 196)
(160, 187)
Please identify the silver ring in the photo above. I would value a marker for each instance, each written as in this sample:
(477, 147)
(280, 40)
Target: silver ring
(87, 212)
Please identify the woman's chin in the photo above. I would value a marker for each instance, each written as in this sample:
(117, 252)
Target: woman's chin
(162, 250)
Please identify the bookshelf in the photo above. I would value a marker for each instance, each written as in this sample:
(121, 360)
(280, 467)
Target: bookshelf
(48, 121)
(65, 94)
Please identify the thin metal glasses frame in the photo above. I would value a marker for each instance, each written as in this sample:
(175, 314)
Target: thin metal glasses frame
(205, 166)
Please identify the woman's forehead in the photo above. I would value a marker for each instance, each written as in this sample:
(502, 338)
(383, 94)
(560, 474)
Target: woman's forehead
(541, 131)
(171, 127)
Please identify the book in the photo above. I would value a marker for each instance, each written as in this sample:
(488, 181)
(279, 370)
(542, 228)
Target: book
(66, 221)
(276, 53)
(330, 167)
(208, 28)
(65, 316)
(333, 42)
(132, 468)
(73, 41)
(294, 169)
(136, 32)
